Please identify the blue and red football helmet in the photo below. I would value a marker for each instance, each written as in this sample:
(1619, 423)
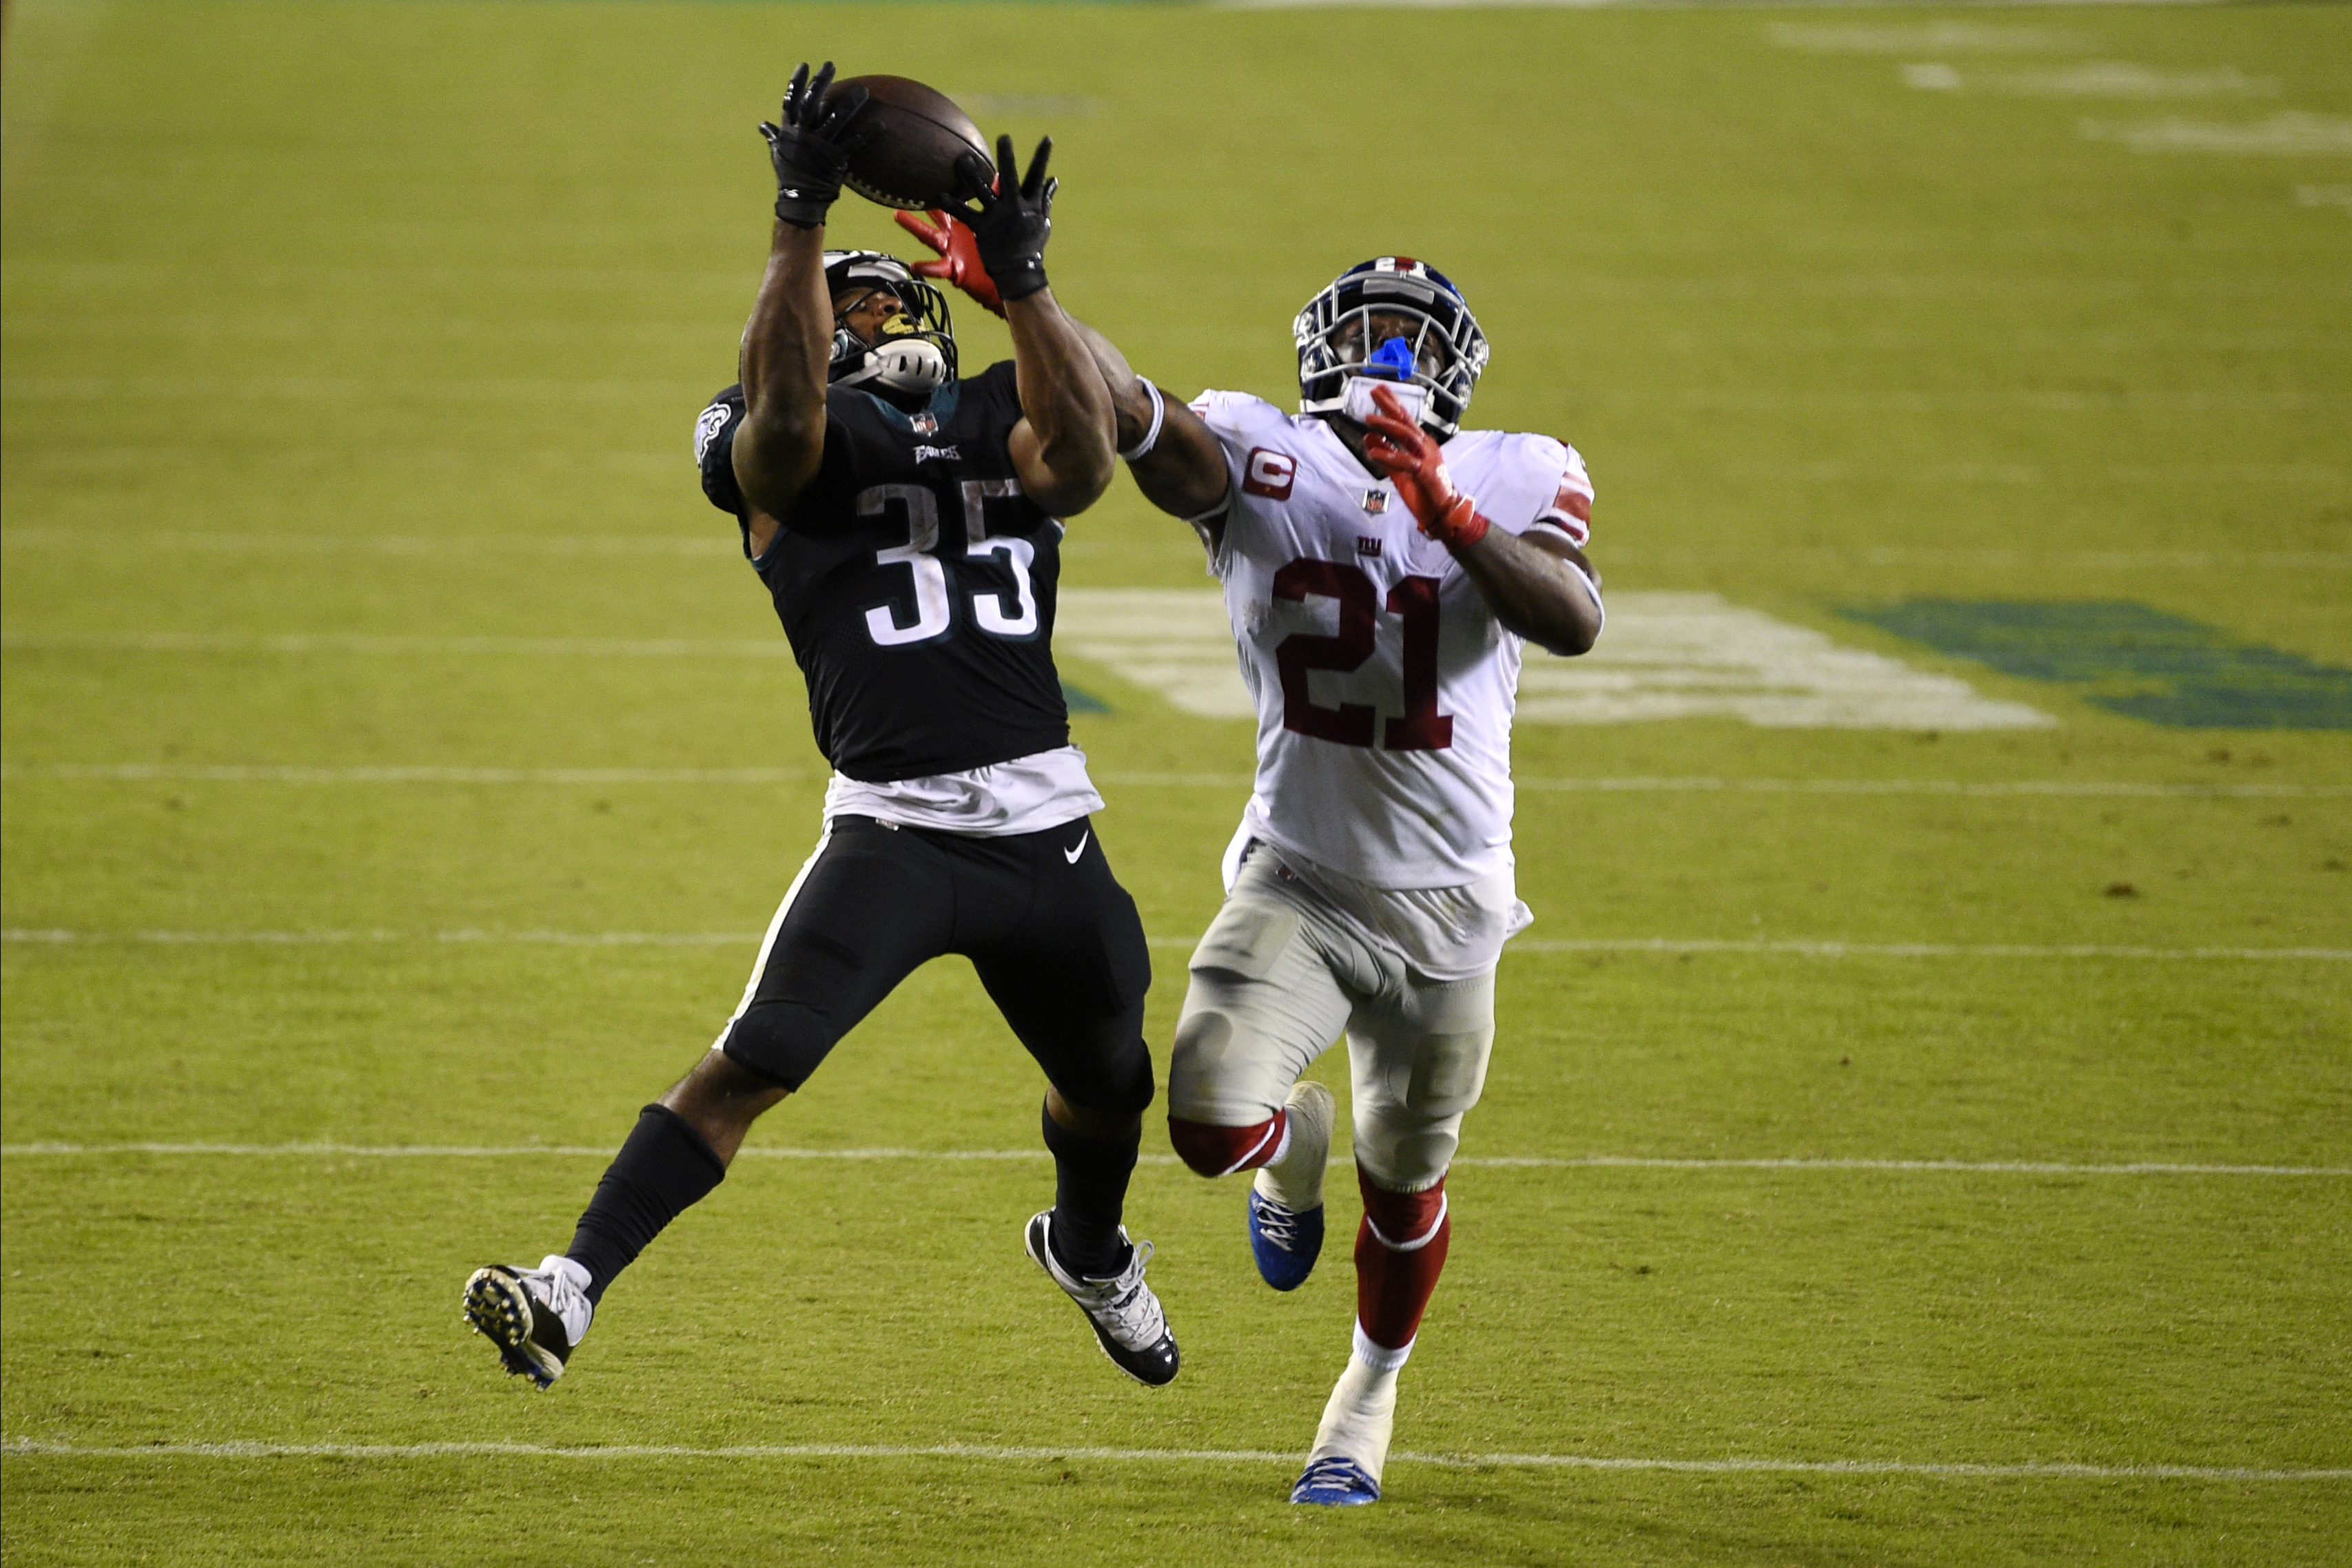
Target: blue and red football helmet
(1391, 318)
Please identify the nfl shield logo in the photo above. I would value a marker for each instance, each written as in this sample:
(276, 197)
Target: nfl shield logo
(927, 424)
(1376, 502)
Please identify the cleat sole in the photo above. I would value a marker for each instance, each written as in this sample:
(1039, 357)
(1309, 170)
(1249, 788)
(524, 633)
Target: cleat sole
(498, 1310)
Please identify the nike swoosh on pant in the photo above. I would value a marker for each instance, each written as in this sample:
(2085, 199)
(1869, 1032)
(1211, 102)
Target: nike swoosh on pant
(1072, 854)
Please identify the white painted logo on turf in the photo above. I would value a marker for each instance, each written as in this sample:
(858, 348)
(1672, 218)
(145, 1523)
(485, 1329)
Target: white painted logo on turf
(1666, 656)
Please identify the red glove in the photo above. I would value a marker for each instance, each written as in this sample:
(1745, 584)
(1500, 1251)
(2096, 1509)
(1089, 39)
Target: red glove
(958, 250)
(1403, 451)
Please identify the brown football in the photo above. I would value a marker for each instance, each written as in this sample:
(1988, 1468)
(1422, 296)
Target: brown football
(912, 163)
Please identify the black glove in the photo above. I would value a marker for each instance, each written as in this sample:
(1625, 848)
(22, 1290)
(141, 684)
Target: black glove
(812, 148)
(1009, 226)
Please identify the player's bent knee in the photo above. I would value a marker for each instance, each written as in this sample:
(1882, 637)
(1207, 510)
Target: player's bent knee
(780, 1042)
(1196, 1063)
(1120, 1088)
(1214, 1151)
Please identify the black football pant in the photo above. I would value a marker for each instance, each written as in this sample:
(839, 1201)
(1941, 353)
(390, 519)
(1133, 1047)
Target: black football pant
(1055, 939)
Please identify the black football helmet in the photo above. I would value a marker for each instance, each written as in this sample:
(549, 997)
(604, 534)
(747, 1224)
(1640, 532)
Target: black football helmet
(914, 352)
(1442, 351)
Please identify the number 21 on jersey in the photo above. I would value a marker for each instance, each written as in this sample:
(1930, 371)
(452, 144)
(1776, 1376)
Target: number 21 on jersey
(1414, 601)
(934, 610)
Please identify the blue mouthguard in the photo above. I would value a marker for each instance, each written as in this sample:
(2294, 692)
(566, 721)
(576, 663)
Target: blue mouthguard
(1392, 358)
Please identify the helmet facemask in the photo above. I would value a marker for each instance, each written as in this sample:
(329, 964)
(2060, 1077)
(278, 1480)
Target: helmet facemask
(1395, 322)
(913, 353)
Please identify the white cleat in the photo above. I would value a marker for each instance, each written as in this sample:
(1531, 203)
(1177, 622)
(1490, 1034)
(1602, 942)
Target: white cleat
(535, 1316)
(1125, 1315)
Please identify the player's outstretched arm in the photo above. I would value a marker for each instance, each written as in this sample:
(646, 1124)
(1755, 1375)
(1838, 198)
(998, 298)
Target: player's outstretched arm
(789, 339)
(1175, 457)
(1538, 586)
(1062, 446)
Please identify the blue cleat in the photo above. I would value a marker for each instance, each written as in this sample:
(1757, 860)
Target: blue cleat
(1286, 1202)
(1336, 1481)
(1284, 1241)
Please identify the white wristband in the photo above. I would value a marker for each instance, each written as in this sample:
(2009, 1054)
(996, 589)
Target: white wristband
(1159, 417)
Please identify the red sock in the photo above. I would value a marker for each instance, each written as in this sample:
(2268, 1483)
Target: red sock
(1399, 1252)
(1220, 1151)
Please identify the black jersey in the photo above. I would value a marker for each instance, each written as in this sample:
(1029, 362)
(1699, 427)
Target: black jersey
(915, 580)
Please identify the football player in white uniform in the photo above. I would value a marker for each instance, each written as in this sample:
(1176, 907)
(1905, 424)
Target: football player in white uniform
(1382, 568)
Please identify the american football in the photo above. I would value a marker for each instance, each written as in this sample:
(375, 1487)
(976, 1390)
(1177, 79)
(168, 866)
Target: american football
(912, 163)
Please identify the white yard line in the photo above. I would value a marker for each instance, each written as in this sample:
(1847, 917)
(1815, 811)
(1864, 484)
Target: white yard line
(65, 1150)
(694, 547)
(61, 937)
(269, 773)
(1952, 786)
(368, 643)
(1919, 949)
(2291, 133)
(289, 773)
(53, 936)
(29, 1447)
(437, 545)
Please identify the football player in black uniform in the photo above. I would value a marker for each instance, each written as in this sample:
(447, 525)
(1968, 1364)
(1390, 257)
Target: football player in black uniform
(904, 520)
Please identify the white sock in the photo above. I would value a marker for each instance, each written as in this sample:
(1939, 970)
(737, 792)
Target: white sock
(1287, 1182)
(1361, 1411)
(570, 1305)
(1293, 1177)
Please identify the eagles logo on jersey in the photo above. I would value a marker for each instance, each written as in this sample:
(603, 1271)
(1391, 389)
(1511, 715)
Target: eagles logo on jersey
(1391, 319)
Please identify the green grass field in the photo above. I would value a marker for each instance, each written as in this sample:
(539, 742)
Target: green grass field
(397, 760)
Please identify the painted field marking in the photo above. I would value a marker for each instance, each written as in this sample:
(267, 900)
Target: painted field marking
(31, 1447)
(2323, 196)
(2095, 79)
(290, 773)
(311, 939)
(2291, 133)
(264, 773)
(1917, 949)
(58, 937)
(1666, 656)
(66, 1150)
(368, 643)
(515, 390)
(433, 546)
(1932, 37)
(426, 545)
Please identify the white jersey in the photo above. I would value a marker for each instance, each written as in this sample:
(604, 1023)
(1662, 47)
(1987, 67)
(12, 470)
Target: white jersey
(1384, 684)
